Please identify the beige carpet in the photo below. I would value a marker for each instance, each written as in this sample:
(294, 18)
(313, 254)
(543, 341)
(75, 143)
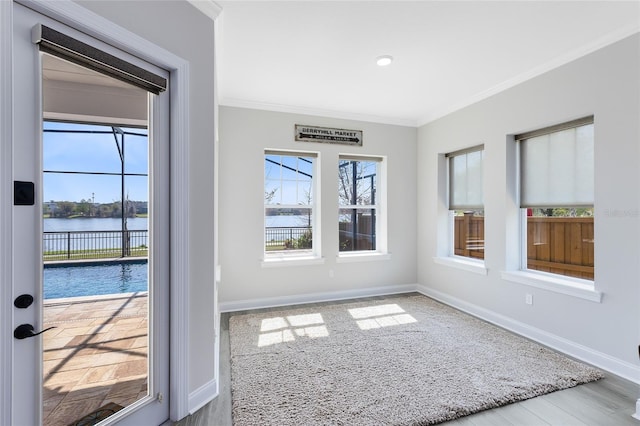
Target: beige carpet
(404, 360)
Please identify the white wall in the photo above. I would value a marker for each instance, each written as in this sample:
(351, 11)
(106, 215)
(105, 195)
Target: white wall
(244, 135)
(180, 28)
(605, 84)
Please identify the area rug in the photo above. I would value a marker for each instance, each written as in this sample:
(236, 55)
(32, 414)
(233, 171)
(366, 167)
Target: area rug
(404, 360)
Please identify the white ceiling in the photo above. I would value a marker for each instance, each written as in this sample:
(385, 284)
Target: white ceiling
(318, 57)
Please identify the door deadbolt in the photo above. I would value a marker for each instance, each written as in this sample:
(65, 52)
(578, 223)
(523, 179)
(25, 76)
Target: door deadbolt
(23, 301)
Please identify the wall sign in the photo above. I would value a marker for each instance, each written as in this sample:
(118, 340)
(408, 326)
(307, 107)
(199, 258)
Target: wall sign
(328, 135)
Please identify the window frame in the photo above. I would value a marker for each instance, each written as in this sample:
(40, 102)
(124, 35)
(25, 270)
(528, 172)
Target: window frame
(451, 211)
(524, 243)
(381, 251)
(307, 257)
(517, 270)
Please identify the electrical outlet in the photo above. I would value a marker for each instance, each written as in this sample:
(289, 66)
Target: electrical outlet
(528, 299)
(331, 273)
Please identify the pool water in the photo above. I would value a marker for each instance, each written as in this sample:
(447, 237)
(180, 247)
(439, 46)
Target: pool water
(94, 279)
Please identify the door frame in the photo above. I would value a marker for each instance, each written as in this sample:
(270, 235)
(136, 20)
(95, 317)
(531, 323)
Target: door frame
(79, 18)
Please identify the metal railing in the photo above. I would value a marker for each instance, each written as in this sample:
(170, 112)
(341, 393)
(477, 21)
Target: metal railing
(77, 245)
(287, 237)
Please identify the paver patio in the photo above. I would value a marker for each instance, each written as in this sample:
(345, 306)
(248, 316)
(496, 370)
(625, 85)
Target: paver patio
(97, 354)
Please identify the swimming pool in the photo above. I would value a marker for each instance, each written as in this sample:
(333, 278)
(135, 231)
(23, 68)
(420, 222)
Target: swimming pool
(94, 279)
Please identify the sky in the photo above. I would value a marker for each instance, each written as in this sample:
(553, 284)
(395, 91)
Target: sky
(289, 179)
(92, 153)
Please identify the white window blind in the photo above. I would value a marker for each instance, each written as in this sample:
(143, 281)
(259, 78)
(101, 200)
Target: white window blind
(557, 168)
(465, 179)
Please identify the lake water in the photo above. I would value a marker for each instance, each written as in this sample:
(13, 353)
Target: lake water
(93, 224)
(287, 220)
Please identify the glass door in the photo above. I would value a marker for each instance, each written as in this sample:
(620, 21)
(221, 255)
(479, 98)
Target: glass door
(92, 337)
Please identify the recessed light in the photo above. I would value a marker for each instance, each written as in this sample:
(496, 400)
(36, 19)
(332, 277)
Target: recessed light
(384, 60)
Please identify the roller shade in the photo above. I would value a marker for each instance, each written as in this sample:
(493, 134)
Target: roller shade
(465, 179)
(557, 168)
(72, 50)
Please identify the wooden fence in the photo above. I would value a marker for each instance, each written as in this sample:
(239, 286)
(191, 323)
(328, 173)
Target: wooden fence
(469, 236)
(358, 235)
(560, 245)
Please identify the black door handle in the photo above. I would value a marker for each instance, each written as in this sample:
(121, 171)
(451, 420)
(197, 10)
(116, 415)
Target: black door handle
(26, 330)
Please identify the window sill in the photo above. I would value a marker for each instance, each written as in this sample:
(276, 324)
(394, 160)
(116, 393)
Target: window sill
(475, 266)
(362, 256)
(291, 261)
(575, 287)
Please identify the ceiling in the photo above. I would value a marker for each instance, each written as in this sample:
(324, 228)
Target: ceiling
(318, 57)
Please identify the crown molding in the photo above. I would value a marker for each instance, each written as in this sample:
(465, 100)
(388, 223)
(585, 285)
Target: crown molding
(208, 7)
(318, 112)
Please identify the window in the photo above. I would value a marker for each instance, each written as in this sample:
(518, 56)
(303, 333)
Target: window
(359, 204)
(466, 202)
(556, 197)
(289, 200)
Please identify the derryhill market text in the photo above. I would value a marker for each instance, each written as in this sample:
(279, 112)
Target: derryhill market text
(328, 135)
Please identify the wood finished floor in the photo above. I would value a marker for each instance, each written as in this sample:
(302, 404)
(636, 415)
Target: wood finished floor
(607, 402)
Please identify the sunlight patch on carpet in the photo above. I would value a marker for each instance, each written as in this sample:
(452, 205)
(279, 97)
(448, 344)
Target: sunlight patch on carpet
(371, 317)
(306, 325)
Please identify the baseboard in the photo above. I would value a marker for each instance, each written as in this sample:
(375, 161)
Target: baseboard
(201, 396)
(583, 353)
(299, 299)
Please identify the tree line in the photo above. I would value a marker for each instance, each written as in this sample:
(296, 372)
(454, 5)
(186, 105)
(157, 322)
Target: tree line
(85, 208)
